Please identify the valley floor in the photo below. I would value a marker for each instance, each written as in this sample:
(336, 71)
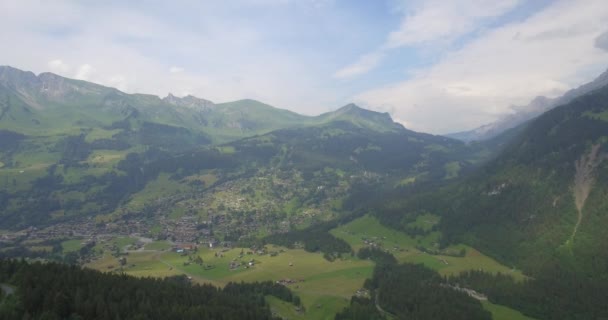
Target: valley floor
(324, 287)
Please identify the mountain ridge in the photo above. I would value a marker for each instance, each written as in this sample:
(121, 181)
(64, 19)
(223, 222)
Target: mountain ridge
(49, 94)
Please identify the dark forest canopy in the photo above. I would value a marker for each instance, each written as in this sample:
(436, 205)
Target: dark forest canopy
(409, 291)
(56, 291)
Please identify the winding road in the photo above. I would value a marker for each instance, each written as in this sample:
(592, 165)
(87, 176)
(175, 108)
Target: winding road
(382, 311)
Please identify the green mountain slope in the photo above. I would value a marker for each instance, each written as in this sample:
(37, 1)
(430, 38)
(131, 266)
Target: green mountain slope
(541, 202)
(39, 105)
(51, 104)
(74, 149)
(360, 117)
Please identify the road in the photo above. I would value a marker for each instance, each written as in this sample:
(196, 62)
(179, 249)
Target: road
(7, 289)
(382, 311)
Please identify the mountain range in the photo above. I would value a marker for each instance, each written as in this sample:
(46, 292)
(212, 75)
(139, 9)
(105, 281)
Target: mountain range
(36, 104)
(74, 149)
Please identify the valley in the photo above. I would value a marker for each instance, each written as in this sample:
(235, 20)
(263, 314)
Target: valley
(337, 216)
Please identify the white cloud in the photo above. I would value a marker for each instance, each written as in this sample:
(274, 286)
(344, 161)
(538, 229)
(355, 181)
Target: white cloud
(601, 42)
(225, 58)
(118, 81)
(128, 49)
(84, 72)
(506, 66)
(440, 20)
(363, 65)
(433, 23)
(176, 69)
(58, 66)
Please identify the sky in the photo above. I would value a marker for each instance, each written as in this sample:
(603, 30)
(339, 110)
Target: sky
(436, 66)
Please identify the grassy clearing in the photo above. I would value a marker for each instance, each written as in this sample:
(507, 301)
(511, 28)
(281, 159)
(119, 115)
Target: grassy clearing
(106, 158)
(40, 248)
(284, 309)
(71, 245)
(99, 133)
(208, 179)
(226, 149)
(452, 170)
(405, 182)
(161, 187)
(503, 313)
(425, 221)
(20, 179)
(122, 242)
(157, 245)
(603, 116)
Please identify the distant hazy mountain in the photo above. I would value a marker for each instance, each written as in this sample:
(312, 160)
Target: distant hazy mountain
(525, 113)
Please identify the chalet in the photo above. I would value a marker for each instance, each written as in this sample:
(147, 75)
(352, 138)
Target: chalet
(213, 243)
(183, 247)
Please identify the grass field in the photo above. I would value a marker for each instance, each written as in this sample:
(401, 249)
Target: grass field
(425, 221)
(402, 246)
(452, 170)
(324, 287)
(503, 313)
(71, 245)
(157, 245)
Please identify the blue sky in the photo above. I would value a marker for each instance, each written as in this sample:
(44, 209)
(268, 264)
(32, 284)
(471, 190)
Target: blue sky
(436, 66)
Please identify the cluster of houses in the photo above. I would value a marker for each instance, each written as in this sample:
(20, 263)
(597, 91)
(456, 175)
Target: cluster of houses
(184, 229)
(288, 281)
(82, 228)
(374, 242)
(363, 293)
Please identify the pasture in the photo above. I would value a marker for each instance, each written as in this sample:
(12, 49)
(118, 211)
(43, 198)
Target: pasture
(324, 287)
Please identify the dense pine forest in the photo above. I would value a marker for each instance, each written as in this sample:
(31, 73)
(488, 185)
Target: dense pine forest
(57, 291)
(409, 291)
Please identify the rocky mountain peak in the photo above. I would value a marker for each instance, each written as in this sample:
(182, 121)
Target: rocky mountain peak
(188, 101)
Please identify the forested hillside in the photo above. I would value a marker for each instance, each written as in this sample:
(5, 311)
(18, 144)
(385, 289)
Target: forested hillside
(540, 205)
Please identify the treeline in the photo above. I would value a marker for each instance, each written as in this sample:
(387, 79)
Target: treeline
(56, 291)
(313, 239)
(410, 291)
(360, 309)
(379, 256)
(556, 294)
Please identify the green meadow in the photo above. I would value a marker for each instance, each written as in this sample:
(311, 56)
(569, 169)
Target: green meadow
(324, 287)
(503, 313)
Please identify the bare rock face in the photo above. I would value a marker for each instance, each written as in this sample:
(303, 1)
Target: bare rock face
(46, 86)
(189, 101)
(584, 179)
